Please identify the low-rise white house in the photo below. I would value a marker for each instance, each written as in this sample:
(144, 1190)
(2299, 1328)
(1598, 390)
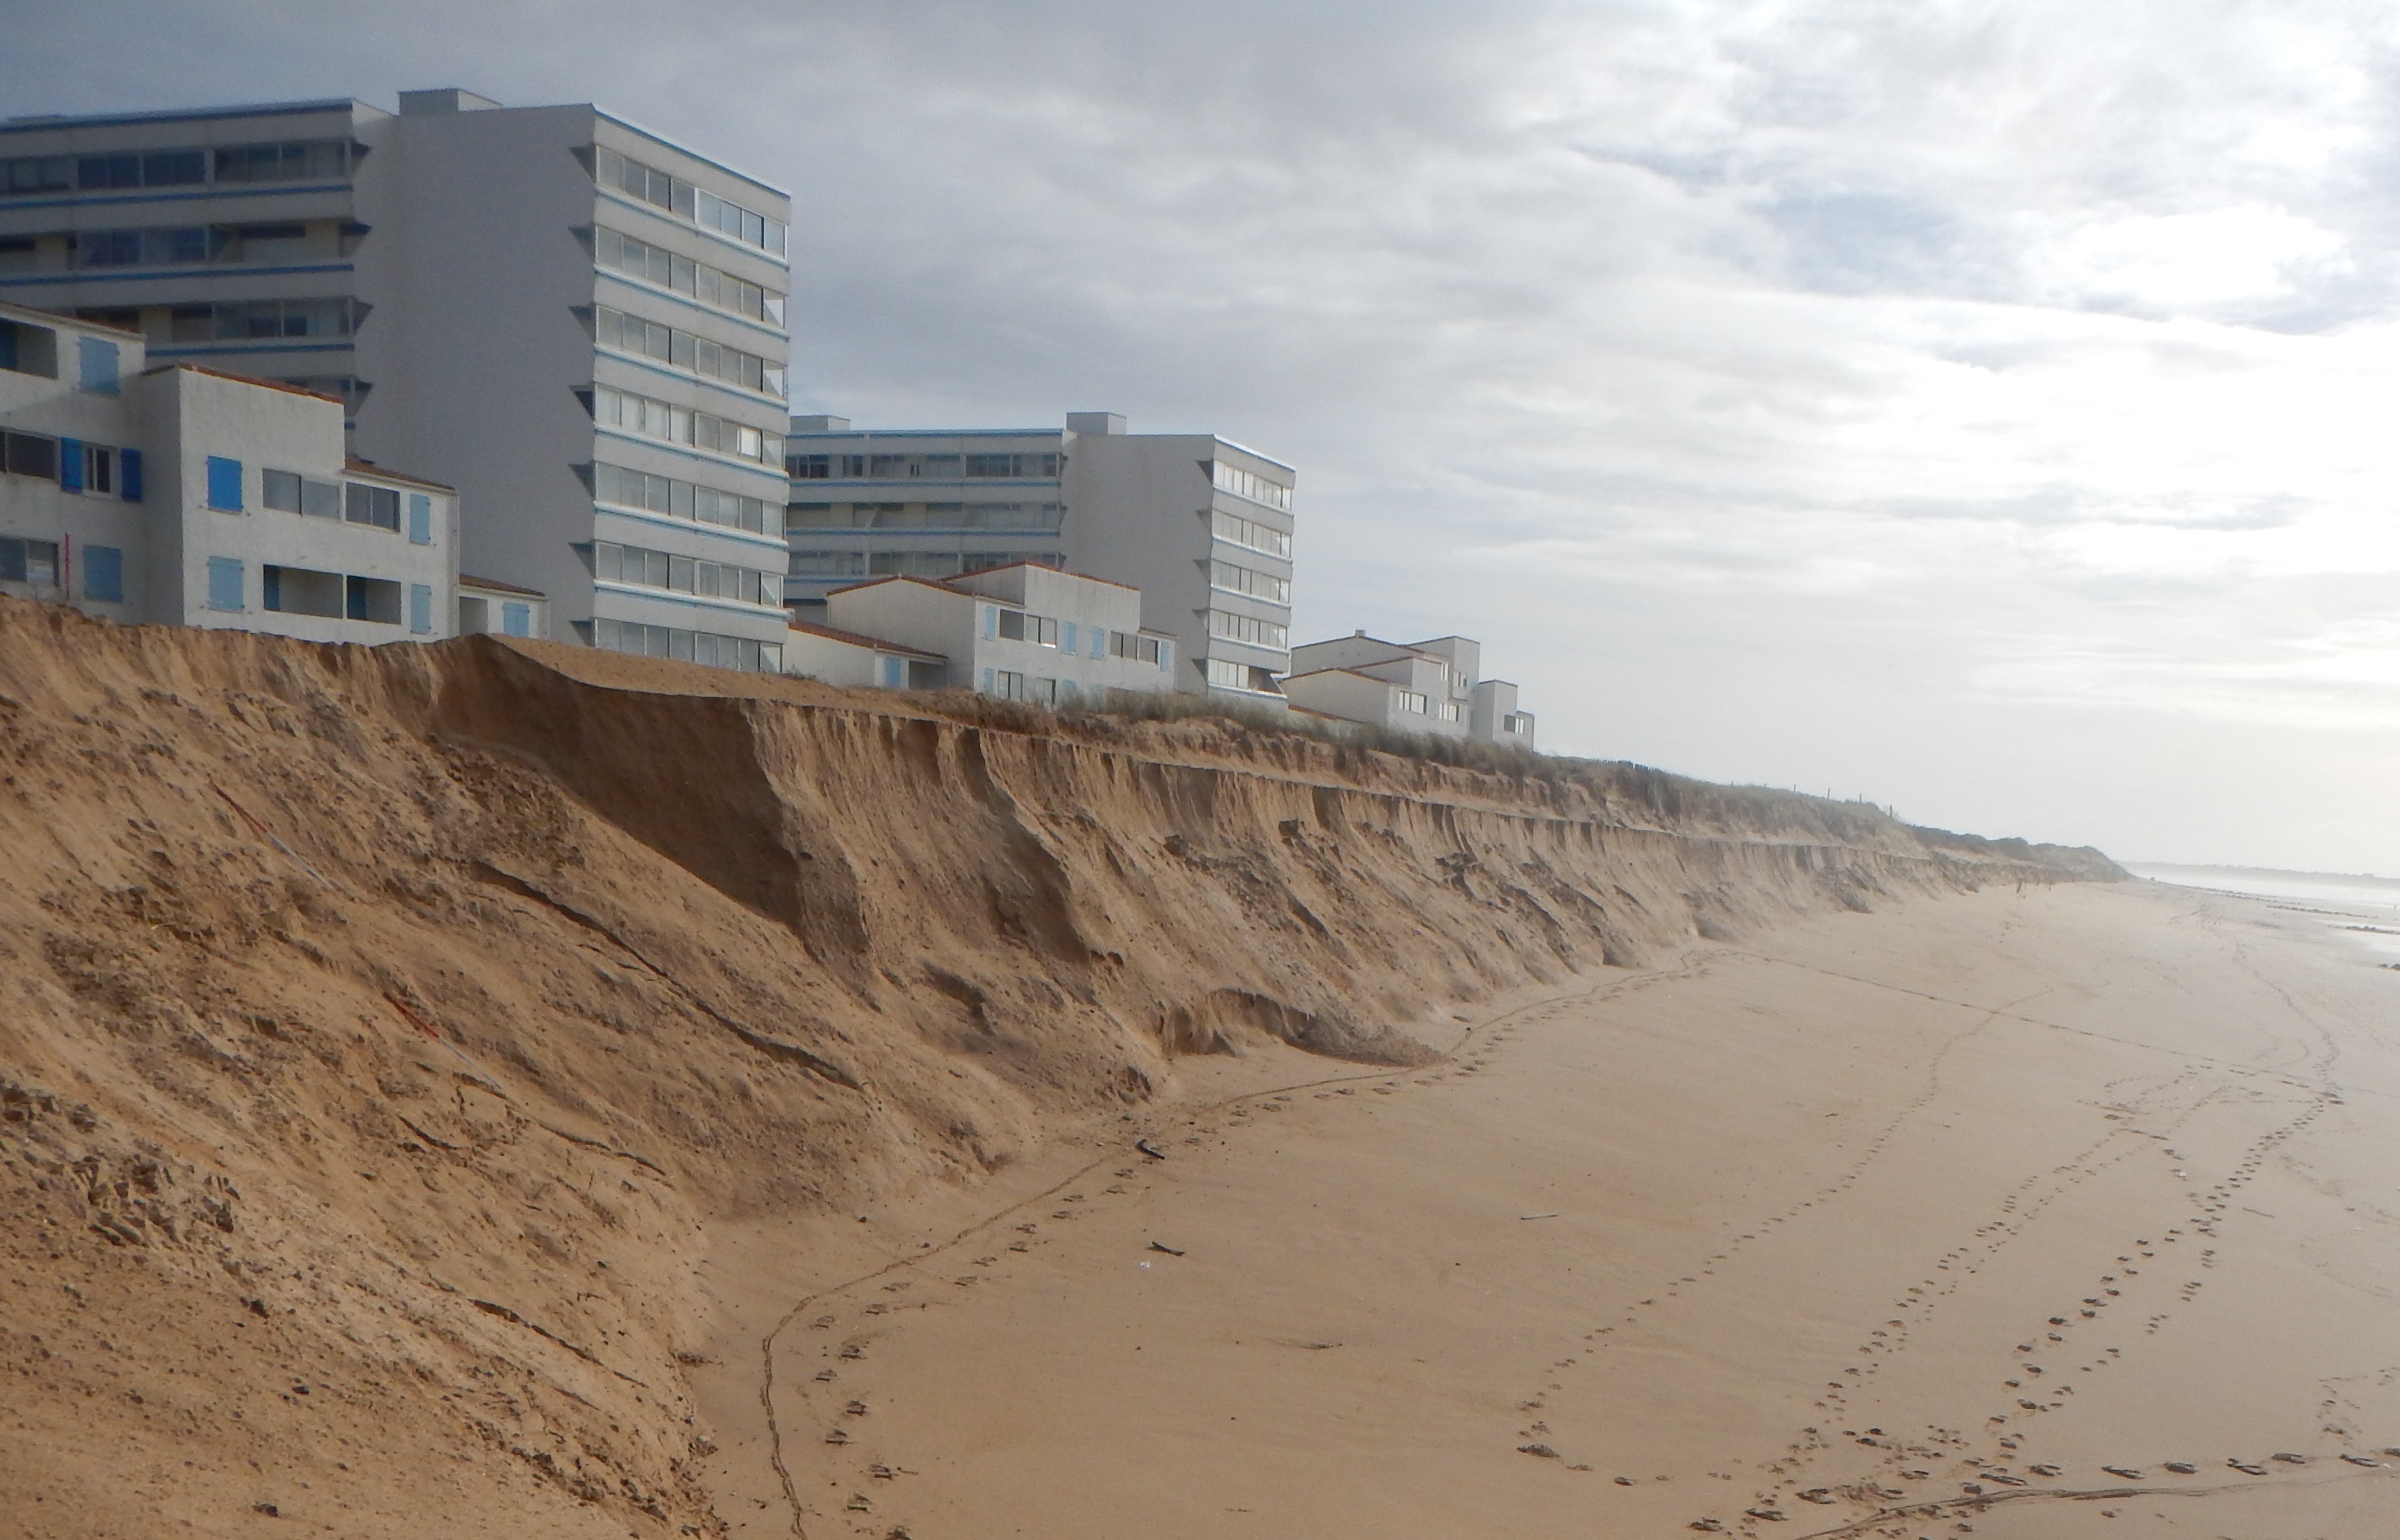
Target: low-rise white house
(185, 496)
(1429, 687)
(1021, 632)
(489, 606)
(856, 661)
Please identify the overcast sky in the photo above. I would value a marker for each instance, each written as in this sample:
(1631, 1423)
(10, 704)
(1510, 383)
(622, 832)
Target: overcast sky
(1987, 409)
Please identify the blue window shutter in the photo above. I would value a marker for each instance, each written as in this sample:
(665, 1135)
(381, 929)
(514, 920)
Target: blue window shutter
(517, 620)
(1166, 657)
(224, 484)
(103, 574)
(129, 475)
(70, 465)
(271, 586)
(991, 622)
(97, 357)
(225, 583)
(421, 608)
(1066, 636)
(987, 681)
(420, 519)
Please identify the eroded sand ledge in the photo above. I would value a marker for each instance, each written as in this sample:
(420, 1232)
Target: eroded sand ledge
(1808, 1226)
(389, 1035)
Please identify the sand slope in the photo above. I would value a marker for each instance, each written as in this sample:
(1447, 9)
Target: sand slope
(1896, 1224)
(386, 1035)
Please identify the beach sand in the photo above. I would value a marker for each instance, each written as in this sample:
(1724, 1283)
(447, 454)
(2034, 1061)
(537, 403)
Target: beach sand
(1839, 1222)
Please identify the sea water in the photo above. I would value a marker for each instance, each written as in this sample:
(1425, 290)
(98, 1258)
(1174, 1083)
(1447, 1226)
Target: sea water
(2365, 910)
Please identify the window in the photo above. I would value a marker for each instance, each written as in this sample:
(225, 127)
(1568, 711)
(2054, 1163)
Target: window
(19, 252)
(374, 599)
(637, 489)
(36, 173)
(517, 618)
(292, 493)
(1450, 712)
(1015, 625)
(1236, 530)
(616, 329)
(99, 468)
(1017, 466)
(1250, 484)
(224, 487)
(420, 519)
(894, 672)
(1225, 675)
(257, 318)
(103, 574)
(633, 564)
(1243, 579)
(298, 591)
(421, 608)
(699, 647)
(657, 419)
(709, 285)
(1249, 629)
(180, 246)
(225, 582)
(29, 349)
(1136, 648)
(828, 564)
(96, 365)
(378, 506)
(31, 454)
(312, 160)
(35, 561)
(151, 168)
(1409, 701)
(661, 190)
(809, 467)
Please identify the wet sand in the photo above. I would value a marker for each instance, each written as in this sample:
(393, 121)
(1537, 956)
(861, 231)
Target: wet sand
(1872, 1223)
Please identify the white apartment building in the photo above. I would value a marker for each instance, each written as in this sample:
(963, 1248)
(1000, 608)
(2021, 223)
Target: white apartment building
(1431, 688)
(577, 322)
(1020, 632)
(1200, 527)
(181, 495)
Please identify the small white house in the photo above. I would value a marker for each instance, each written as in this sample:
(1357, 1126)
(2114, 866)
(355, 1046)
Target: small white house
(489, 606)
(1429, 687)
(855, 661)
(1021, 632)
(185, 496)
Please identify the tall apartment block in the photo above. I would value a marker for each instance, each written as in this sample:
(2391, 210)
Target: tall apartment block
(576, 322)
(1202, 526)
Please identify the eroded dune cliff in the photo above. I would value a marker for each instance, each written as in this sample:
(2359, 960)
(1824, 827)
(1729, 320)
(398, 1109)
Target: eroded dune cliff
(380, 1027)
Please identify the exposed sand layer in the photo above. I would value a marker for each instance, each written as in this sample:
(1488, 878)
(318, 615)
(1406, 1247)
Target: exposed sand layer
(386, 1035)
(1902, 1225)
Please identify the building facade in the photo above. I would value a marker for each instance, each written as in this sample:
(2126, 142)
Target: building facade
(1432, 688)
(1020, 632)
(575, 321)
(183, 495)
(1200, 527)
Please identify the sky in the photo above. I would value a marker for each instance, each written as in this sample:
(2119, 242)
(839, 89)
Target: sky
(1985, 409)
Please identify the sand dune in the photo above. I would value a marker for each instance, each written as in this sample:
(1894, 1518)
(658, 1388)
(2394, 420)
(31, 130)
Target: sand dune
(1985, 1214)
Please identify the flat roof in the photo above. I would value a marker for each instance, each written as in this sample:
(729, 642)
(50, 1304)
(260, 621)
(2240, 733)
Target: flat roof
(499, 586)
(369, 468)
(37, 122)
(925, 433)
(856, 639)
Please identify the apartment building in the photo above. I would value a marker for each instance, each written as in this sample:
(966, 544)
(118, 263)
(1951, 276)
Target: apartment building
(183, 495)
(1432, 688)
(1021, 632)
(1200, 527)
(574, 321)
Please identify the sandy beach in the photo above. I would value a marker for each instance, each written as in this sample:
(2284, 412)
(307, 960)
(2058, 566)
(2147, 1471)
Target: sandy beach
(1908, 1223)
